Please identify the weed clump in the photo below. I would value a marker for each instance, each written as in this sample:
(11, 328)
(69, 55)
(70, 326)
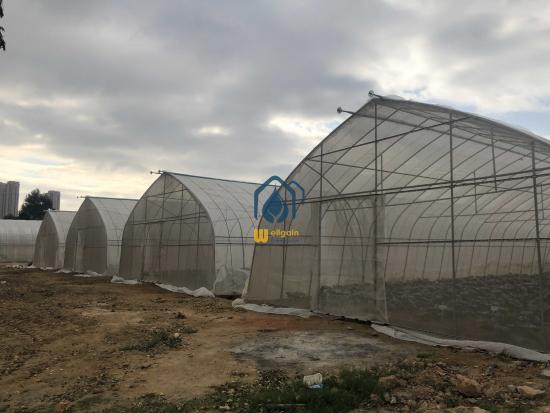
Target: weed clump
(155, 339)
(343, 392)
(275, 392)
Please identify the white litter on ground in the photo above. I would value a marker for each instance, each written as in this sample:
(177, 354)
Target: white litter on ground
(17, 266)
(313, 380)
(200, 292)
(490, 346)
(263, 308)
(63, 271)
(119, 280)
(89, 274)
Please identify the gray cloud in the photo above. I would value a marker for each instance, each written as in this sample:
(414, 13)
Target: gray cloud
(129, 85)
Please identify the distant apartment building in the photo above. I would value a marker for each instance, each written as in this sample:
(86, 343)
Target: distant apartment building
(55, 197)
(9, 198)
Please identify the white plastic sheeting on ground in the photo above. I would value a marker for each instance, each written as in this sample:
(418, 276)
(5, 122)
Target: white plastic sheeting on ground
(49, 250)
(17, 239)
(119, 280)
(199, 292)
(498, 348)
(88, 274)
(263, 308)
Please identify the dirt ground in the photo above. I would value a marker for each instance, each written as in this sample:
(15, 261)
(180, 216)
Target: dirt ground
(68, 342)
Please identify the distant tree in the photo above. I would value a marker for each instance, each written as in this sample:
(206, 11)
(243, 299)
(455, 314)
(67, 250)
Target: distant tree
(2, 42)
(35, 205)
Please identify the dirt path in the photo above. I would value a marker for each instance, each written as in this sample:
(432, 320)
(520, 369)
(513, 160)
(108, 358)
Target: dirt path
(65, 339)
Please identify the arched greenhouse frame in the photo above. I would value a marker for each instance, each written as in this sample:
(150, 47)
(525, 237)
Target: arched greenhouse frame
(49, 251)
(424, 217)
(191, 232)
(94, 238)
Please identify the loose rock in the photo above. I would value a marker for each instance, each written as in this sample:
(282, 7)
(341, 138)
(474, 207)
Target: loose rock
(465, 409)
(62, 406)
(467, 386)
(529, 392)
(391, 382)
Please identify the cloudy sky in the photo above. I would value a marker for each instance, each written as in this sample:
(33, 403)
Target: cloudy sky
(95, 94)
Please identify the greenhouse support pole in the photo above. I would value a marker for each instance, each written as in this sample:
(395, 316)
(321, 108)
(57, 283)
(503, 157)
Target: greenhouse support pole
(180, 225)
(494, 159)
(198, 241)
(285, 250)
(451, 164)
(161, 236)
(542, 200)
(144, 246)
(317, 290)
(537, 234)
(375, 206)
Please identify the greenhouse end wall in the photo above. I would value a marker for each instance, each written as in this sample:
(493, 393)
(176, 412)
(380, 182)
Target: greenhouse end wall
(17, 239)
(420, 216)
(168, 238)
(49, 251)
(94, 238)
(192, 232)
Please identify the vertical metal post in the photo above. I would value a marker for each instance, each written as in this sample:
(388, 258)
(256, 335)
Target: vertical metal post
(494, 160)
(381, 173)
(537, 234)
(180, 224)
(161, 226)
(475, 193)
(375, 149)
(198, 239)
(375, 206)
(542, 200)
(451, 164)
(318, 291)
(284, 252)
(144, 244)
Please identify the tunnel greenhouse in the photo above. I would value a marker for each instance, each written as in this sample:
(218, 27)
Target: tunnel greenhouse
(49, 251)
(95, 235)
(191, 232)
(17, 238)
(423, 217)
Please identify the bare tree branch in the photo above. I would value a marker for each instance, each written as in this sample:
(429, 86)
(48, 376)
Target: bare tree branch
(2, 42)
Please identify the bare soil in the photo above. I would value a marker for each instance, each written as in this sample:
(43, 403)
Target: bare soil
(69, 344)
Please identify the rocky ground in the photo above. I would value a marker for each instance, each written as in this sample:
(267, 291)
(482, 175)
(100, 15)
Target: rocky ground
(72, 344)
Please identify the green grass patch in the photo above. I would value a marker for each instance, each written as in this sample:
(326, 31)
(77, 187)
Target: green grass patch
(339, 393)
(156, 338)
(276, 393)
